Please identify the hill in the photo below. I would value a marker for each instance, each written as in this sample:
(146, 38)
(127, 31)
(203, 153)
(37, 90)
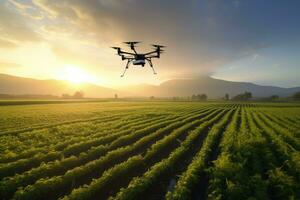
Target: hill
(19, 86)
(214, 88)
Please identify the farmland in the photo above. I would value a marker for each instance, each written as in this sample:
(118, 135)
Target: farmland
(150, 150)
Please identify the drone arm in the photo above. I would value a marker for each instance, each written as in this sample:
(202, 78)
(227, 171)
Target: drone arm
(152, 52)
(152, 56)
(126, 58)
(123, 52)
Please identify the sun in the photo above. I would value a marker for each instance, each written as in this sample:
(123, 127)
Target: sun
(76, 75)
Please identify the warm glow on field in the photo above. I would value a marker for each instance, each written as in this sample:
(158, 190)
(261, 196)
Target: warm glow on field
(76, 75)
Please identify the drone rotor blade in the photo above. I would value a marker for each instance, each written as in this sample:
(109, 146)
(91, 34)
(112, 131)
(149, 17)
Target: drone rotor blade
(158, 46)
(131, 43)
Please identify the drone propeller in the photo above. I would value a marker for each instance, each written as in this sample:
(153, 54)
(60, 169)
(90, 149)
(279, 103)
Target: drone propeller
(158, 46)
(132, 45)
(129, 43)
(117, 48)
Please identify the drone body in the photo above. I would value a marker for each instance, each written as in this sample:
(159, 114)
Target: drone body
(138, 58)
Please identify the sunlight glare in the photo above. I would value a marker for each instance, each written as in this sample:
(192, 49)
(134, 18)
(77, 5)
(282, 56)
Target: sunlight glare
(76, 75)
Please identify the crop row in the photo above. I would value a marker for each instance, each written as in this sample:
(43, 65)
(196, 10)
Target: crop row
(250, 167)
(111, 157)
(65, 137)
(153, 151)
(193, 175)
(26, 164)
(205, 151)
(120, 151)
(140, 185)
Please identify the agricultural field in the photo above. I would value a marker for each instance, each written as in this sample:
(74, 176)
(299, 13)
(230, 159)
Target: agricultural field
(150, 150)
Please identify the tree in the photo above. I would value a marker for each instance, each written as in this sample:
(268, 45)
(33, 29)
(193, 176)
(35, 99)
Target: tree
(175, 98)
(66, 96)
(78, 95)
(274, 97)
(202, 97)
(296, 96)
(243, 97)
(248, 95)
(116, 96)
(226, 97)
(194, 97)
(199, 97)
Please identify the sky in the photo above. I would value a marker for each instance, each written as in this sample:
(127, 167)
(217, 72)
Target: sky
(238, 40)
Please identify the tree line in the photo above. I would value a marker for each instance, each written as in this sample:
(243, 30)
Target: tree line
(246, 96)
(76, 95)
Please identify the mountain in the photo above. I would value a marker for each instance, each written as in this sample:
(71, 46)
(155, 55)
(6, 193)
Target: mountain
(214, 88)
(19, 86)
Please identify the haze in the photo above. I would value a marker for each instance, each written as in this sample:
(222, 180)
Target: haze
(250, 40)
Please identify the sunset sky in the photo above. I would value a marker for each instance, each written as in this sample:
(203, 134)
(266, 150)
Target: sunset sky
(240, 40)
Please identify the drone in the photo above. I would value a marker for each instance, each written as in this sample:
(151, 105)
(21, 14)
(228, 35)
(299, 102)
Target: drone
(139, 58)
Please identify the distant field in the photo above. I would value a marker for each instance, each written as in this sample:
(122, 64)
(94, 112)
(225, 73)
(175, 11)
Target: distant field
(10, 102)
(150, 150)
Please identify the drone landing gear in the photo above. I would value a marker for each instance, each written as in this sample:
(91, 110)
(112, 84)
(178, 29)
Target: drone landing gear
(150, 63)
(127, 66)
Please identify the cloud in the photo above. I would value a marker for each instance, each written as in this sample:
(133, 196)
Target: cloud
(7, 44)
(201, 35)
(82, 55)
(255, 57)
(27, 9)
(69, 56)
(20, 5)
(13, 26)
